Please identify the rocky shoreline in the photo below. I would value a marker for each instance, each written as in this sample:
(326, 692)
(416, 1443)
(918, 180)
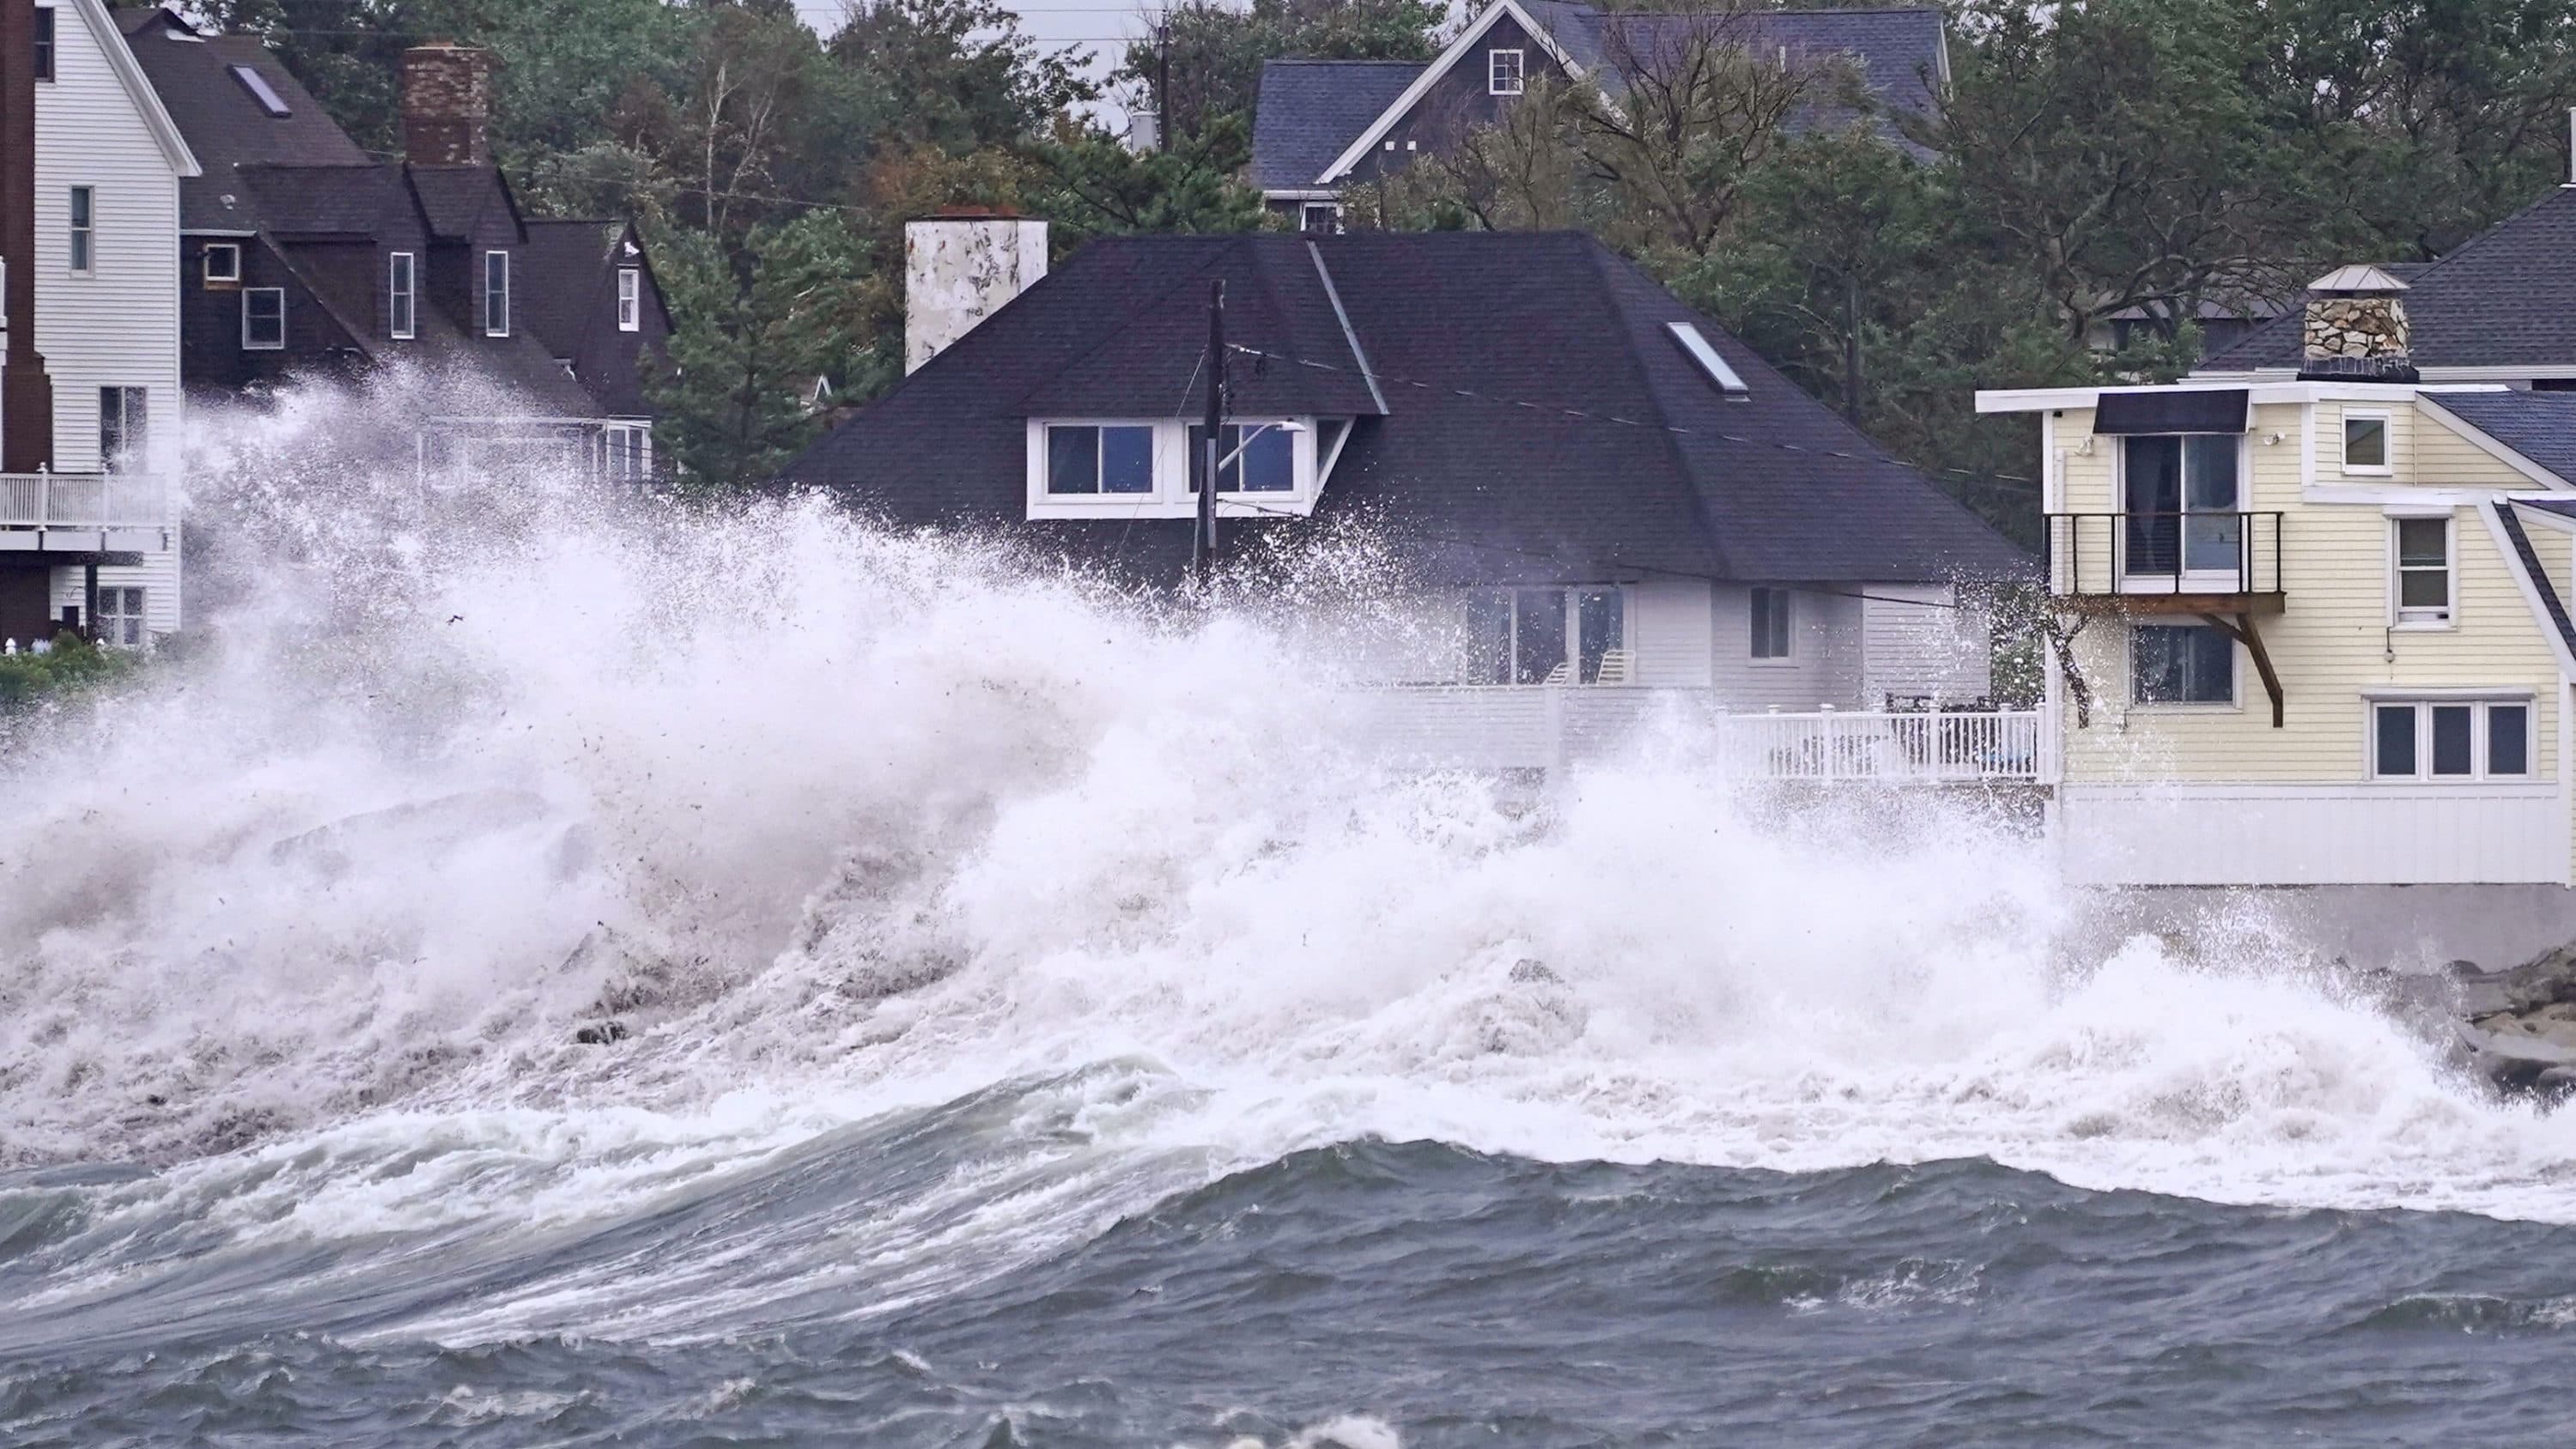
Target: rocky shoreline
(2514, 1028)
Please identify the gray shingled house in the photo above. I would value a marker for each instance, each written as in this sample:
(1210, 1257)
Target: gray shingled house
(1322, 125)
(1592, 482)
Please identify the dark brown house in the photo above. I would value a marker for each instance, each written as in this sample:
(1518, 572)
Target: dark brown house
(303, 255)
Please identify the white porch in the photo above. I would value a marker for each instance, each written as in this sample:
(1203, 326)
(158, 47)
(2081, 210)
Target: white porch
(1504, 727)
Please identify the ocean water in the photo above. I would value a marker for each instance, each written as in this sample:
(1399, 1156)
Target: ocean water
(1043, 1022)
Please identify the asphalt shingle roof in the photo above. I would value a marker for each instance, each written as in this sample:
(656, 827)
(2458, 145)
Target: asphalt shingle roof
(1311, 110)
(454, 198)
(226, 127)
(1541, 421)
(2504, 298)
(322, 200)
(2540, 426)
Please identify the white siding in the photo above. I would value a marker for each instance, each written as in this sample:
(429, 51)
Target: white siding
(1669, 631)
(2247, 834)
(1918, 640)
(117, 326)
(1824, 667)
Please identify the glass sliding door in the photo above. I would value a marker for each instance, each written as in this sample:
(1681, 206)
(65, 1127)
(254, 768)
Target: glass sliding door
(2213, 535)
(2182, 495)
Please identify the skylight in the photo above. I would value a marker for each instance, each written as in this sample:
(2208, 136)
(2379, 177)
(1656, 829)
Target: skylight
(1708, 360)
(261, 91)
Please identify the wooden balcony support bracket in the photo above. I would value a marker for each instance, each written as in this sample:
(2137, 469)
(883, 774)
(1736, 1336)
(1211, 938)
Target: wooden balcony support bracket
(2241, 629)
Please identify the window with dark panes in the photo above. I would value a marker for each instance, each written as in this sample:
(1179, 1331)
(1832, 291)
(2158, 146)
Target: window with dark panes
(2181, 664)
(1094, 458)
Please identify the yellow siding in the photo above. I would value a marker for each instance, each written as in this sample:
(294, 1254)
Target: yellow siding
(2334, 636)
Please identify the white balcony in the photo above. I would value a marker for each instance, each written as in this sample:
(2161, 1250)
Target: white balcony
(84, 512)
(1545, 727)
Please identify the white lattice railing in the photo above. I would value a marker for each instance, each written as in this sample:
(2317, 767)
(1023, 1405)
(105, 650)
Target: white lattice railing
(1541, 727)
(83, 500)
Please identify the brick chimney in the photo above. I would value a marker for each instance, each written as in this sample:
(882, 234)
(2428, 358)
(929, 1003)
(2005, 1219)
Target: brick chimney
(447, 104)
(959, 267)
(2355, 328)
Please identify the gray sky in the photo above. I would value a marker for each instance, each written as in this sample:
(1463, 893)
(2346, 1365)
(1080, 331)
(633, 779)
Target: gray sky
(1079, 23)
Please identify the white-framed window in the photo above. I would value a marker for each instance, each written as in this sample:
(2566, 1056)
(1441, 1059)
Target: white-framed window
(2181, 497)
(120, 617)
(402, 295)
(1147, 468)
(1320, 216)
(124, 429)
(630, 299)
(263, 319)
(2422, 560)
(2181, 664)
(1774, 638)
(496, 294)
(2450, 739)
(84, 229)
(2365, 442)
(1570, 634)
(626, 453)
(223, 263)
(1503, 75)
(1095, 458)
(1251, 458)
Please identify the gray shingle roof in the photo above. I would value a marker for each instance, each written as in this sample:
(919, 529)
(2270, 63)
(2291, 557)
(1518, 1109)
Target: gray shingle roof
(1311, 110)
(1540, 422)
(321, 200)
(225, 126)
(2504, 298)
(2540, 426)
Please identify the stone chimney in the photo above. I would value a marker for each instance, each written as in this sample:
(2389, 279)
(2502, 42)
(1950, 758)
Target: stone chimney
(2355, 328)
(959, 268)
(447, 104)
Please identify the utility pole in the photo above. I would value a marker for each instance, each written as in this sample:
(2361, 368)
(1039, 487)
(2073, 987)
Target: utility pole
(1163, 85)
(1203, 535)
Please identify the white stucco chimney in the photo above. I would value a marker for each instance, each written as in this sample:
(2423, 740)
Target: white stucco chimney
(959, 268)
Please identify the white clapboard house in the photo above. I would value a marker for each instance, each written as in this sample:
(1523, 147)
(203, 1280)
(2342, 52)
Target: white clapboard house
(89, 418)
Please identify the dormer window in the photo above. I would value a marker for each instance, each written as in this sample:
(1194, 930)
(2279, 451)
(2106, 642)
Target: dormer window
(1251, 458)
(496, 294)
(223, 263)
(630, 299)
(402, 294)
(1094, 458)
(1134, 468)
(1503, 72)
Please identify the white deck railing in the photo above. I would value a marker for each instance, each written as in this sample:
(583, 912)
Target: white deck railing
(1505, 727)
(83, 500)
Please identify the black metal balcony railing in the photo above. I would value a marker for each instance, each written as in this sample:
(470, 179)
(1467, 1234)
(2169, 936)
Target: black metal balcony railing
(2195, 552)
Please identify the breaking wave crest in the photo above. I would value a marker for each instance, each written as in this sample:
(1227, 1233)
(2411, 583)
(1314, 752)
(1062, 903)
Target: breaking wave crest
(855, 834)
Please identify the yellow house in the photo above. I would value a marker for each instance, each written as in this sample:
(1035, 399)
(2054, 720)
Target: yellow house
(2314, 630)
